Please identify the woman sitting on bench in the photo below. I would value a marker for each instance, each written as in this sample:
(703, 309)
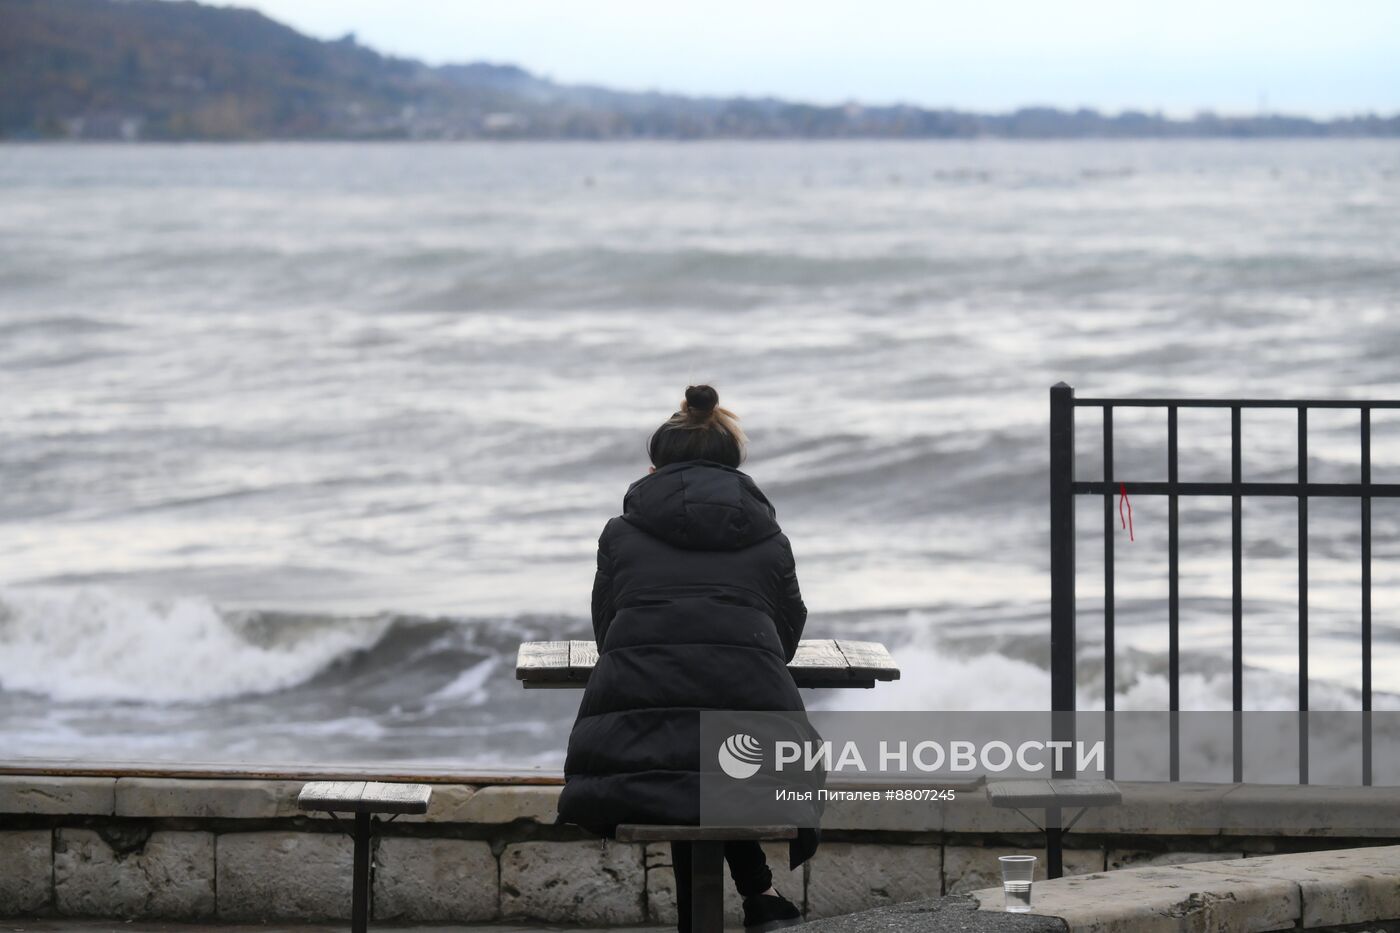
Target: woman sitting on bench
(695, 607)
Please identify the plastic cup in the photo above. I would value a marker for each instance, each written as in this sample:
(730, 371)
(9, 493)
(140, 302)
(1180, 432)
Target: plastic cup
(1017, 873)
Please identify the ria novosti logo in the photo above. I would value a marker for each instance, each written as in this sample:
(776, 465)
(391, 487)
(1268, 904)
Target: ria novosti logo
(740, 756)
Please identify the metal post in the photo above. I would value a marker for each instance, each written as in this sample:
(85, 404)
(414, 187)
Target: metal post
(1237, 593)
(707, 886)
(1110, 679)
(1173, 603)
(1054, 844)
(1303, 753)
(1062, 613)
(359, 898)
(1062, 666)
(1366, 596)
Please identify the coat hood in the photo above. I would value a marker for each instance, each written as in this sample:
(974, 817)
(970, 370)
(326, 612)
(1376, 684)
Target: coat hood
(700, 505)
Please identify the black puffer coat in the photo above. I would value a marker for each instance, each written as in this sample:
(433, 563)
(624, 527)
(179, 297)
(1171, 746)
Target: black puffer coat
(695, 606)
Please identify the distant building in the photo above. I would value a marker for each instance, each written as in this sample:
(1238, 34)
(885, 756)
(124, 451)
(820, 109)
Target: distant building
(504, 123)
(112, 126)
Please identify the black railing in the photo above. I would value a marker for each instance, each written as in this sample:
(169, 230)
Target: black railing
(1064, 487)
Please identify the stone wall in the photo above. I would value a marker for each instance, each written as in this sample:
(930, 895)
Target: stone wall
(238, 849)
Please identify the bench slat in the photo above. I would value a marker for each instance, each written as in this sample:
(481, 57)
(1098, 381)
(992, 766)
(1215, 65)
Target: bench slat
(640, 832)
(364, 797)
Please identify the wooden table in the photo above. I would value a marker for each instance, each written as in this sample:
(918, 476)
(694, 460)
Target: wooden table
(1054, 796)
(821, 662)
(364, 799)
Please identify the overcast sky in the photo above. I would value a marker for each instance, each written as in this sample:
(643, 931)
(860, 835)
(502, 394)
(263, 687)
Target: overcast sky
(1316, 57)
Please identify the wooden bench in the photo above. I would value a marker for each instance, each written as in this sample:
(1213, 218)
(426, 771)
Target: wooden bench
(1053, 796)
(706, 861)
(825, 662)
(364, 799)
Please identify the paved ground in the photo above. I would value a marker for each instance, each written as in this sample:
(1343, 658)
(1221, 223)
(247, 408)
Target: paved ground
(63, 925)
(936, 915)
(944, 915)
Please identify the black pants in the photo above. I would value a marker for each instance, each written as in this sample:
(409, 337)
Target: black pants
(747, 866)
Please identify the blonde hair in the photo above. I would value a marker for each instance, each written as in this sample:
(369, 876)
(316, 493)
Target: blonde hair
(701, 430)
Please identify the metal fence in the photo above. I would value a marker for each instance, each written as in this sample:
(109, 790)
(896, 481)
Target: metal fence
(1064, 487)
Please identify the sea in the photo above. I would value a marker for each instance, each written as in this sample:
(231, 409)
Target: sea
(299, 442)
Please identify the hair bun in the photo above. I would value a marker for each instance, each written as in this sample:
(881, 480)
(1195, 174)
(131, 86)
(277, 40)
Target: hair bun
(701, 399)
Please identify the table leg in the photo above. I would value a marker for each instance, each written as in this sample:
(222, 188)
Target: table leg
(359, 905)
(1054, 843)
(707, 886)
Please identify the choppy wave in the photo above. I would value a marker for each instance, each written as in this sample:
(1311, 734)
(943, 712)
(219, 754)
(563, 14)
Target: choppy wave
(101, 673)
(93, 644)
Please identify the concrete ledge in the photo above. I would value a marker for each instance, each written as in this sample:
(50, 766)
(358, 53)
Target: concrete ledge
(200, 846)
(508, 804)
(1161, 807)
(1311, 810)
(231, 799)
(1341, 887)
(447, 805)
(22, 793)
(1308, 890)
(1153, 807)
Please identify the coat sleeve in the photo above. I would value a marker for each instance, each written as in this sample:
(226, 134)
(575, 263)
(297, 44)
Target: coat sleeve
(603, 610)
(792, 612)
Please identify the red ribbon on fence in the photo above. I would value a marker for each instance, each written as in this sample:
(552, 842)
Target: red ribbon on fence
(1122, 501)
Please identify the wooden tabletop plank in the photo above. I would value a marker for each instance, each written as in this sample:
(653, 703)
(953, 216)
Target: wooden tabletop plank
(541, 660)
(396, 798)
(583, 657)
(819, 653)
(868, 659)
(1087, 792)
(329, 795)
(364, 797)
(819, 662)
(1054, 793)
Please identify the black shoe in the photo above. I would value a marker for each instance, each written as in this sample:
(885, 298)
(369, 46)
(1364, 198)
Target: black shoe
(764, 912)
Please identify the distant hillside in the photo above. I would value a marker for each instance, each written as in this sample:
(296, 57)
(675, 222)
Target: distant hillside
(158, 69)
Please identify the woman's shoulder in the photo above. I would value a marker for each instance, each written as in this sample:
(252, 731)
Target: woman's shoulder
(615, 528)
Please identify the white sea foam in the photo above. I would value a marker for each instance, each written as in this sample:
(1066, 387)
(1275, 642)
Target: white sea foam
(95, 643)
(469, 686)
(940, 673)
